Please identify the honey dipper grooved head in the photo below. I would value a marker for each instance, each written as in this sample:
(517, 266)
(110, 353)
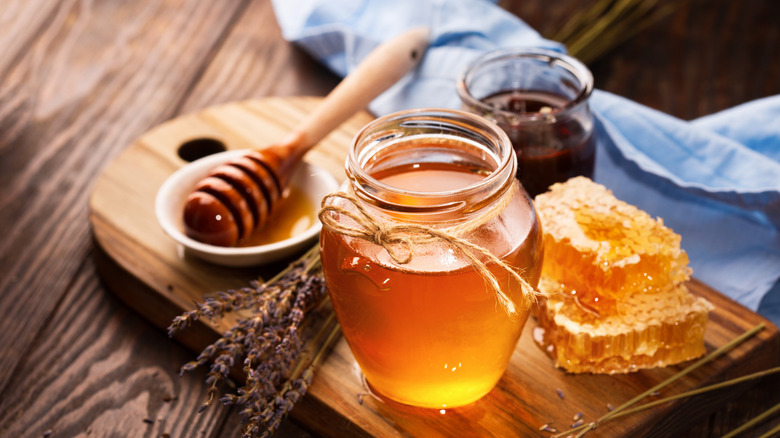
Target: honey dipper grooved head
(234, 200)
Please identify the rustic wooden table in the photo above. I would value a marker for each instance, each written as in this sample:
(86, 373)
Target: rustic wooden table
(82, 80)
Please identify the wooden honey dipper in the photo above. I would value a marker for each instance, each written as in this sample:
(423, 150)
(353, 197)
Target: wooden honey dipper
(237, 197)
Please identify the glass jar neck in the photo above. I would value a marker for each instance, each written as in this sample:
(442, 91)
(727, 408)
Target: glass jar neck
(560, 79)
(430, 140)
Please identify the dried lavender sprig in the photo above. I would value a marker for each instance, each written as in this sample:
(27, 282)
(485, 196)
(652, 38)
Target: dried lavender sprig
(267, 343)
(245, 298)
(265, 413)
(213, 308)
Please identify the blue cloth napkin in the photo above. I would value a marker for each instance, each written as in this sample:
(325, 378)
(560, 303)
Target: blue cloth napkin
(714, 180)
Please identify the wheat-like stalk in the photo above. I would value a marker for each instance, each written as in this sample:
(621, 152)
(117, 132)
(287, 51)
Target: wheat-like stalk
(593, 31)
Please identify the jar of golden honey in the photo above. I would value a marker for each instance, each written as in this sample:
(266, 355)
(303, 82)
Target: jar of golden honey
(431, 252)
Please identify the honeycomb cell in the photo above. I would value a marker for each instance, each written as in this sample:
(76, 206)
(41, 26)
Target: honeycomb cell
(600, 249)
(652, 330)
(613, 289)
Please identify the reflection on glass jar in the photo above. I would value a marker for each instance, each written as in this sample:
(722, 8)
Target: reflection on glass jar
(540, 98)
(430, 199)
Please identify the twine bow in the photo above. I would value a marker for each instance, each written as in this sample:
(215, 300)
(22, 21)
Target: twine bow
(391, 236)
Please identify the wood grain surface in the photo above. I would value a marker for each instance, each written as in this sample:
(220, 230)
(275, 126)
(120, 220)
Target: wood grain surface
(81, 80)
(153, 276)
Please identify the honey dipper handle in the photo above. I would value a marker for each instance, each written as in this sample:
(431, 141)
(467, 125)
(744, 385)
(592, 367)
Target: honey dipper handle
(382, 68)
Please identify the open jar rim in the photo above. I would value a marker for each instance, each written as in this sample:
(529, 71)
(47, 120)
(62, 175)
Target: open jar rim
(490, 145)
(573, 66)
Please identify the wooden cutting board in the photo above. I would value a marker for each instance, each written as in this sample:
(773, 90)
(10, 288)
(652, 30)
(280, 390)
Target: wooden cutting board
(147, 270)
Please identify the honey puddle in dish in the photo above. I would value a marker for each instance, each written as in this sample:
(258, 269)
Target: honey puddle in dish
(295, 214)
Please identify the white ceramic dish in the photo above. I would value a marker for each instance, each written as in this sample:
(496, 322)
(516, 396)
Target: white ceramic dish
(314, 181)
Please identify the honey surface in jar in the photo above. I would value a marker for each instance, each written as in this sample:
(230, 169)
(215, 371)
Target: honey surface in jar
(431, 333)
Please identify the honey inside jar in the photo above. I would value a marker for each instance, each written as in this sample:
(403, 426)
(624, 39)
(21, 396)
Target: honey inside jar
(430, 333)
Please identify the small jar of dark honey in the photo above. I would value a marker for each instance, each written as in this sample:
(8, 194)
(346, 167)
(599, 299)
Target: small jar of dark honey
(540, 98)
(431, 253)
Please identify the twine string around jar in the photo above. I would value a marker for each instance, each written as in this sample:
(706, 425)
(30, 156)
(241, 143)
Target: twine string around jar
(390, 236)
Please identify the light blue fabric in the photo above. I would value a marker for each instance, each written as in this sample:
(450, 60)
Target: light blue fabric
(714, 180)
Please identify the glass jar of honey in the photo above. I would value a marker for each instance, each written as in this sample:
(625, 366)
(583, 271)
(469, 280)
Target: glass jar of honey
(540, 98)
(429, 253)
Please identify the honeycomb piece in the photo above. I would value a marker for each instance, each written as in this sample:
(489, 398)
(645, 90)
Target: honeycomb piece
(649, 330)
(600, 248)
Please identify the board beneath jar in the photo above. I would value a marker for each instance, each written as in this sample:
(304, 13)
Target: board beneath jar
(149, 272)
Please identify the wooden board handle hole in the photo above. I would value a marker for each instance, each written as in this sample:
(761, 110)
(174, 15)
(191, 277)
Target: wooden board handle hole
(194, 149)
